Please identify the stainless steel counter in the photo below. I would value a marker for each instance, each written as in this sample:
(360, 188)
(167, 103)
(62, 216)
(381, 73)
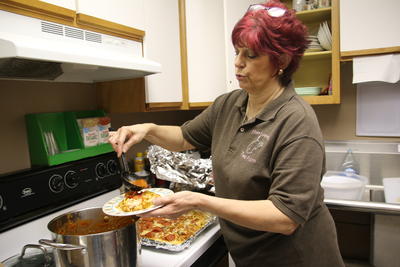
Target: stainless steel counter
(373, 207)
(373, 202)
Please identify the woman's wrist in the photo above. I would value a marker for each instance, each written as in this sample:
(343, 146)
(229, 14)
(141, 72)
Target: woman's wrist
(200, 201)
(150, 129)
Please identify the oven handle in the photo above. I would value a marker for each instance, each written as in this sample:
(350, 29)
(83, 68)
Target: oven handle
(61, 246)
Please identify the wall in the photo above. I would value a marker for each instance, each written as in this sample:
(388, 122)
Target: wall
(18, 98)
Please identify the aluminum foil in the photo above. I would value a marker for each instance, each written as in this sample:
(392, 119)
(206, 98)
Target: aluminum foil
(178, 247)
(179, 167)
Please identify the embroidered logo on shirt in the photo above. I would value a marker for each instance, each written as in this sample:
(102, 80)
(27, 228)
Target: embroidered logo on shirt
(256, 144)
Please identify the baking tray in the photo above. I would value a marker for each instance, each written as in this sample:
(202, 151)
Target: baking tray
(178, 247)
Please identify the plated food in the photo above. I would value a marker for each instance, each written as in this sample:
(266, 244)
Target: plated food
(135, 202)
(173, 234)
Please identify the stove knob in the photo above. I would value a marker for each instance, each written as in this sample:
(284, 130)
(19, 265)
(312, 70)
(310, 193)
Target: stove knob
(71, 179)
(56, 183)
(112, 167)
(101, 170)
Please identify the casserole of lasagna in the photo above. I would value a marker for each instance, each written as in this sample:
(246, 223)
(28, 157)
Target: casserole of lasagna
(173, 234)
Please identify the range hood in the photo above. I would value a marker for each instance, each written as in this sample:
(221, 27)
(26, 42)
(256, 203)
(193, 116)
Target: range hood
(34, 49)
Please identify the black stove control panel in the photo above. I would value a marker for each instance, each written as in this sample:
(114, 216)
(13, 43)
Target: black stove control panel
(34, 193)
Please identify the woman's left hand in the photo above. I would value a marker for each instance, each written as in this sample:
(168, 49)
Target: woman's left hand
(174, 205)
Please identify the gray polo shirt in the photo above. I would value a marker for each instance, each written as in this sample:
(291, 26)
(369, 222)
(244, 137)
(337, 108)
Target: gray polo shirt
(279, 155)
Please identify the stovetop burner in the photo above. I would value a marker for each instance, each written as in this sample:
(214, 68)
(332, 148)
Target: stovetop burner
(30, 194)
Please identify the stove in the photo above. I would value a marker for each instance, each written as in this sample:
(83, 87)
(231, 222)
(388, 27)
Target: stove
(30, 199)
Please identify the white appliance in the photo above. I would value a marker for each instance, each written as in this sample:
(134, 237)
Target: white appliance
(35, 49)
(30, 233)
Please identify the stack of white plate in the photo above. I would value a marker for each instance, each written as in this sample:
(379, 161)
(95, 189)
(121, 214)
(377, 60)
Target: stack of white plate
(324, 36)
(310, 91)
(314, 45)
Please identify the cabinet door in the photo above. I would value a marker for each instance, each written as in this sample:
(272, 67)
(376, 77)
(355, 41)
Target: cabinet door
(205, 35)
(69, 4)
(162, 44)
(125, 12)
(367, 24)
(234, 10)
(59, 11)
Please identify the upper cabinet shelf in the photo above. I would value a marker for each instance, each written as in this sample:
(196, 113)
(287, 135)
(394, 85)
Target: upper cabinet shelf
(318, 55)
(321, 68)
(313, 15)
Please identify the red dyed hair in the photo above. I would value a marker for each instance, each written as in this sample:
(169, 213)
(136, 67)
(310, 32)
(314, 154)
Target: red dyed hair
(273, 36)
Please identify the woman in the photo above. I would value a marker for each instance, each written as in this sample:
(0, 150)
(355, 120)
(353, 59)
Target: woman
(267, 152)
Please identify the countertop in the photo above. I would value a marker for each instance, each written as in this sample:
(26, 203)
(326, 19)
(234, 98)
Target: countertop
(152, 257)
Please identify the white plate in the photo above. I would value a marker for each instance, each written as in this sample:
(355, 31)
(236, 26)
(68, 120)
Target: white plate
(110, 207)
(311, 91)
(327, 31)
(308, 50)
(323, 39)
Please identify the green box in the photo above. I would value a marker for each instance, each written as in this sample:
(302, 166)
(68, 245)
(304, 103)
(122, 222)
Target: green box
(66, 133)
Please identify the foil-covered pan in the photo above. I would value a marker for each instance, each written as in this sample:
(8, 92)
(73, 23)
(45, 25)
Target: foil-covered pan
(211, 219)
(180, 167)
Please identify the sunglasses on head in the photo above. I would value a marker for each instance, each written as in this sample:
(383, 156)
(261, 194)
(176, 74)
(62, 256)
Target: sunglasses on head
(272, 11)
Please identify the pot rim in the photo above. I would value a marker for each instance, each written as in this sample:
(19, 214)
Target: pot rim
(94, 234)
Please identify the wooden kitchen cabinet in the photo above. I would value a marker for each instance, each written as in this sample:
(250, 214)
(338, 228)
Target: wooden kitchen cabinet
(125, 12)
(68, 4)
(367, 29)
(205, 36)
(188, 39)
(317, 68)
(66, 12)
(202, 57)
(62, 11)
(123, 18)
(162, 43)
(206, 63)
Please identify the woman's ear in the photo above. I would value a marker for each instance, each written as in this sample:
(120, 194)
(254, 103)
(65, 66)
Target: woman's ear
(284, 61)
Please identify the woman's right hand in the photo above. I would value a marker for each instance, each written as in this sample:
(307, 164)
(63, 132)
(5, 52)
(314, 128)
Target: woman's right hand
(126, 136)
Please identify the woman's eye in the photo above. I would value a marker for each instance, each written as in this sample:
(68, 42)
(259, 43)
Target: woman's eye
(251, 56)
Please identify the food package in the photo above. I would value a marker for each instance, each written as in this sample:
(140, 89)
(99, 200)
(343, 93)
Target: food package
(89, 131)
(179, 167)
(104, 132)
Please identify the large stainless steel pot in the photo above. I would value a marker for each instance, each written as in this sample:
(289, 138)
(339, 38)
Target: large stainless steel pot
(90, 238)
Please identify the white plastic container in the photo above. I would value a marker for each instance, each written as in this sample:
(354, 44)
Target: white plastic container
(342, 185)
(392, 190)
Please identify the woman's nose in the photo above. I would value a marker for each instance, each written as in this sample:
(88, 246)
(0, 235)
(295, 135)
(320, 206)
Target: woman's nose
(239, 63)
